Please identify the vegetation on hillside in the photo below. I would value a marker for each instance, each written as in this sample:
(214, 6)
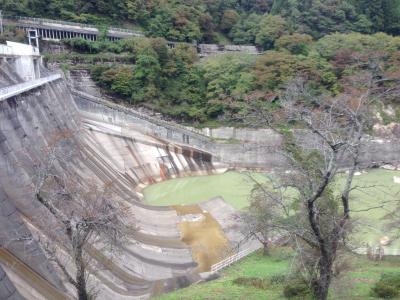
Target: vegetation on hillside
(226, 88)
(242, 21)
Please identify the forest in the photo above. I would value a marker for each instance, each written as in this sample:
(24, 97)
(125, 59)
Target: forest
(224, 89)
(326, 43)
(236, 21)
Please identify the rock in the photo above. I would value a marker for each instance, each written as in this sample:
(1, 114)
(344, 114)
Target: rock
(384, 241)
(396, 179)
(389, 111)
(389, 167)
(392, 129)
(192, 218)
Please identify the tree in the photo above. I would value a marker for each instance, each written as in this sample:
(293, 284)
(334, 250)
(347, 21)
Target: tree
(229, 19)
(87, 215)
(138, 10)
(245, 31)
(306, 203)
(392, 16)
(271, 28)
(296, 43)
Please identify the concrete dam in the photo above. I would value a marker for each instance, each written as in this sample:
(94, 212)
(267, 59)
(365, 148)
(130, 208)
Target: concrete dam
(131, 150)
(156, 260)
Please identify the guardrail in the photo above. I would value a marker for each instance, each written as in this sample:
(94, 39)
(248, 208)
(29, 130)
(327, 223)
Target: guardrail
(234, 258)
(19, 88)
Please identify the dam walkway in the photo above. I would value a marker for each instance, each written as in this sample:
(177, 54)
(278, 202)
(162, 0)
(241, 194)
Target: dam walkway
(19, 88)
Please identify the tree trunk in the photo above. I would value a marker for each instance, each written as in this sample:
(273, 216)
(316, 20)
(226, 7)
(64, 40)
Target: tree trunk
(80, 275)
(265, 248)
(324, 280)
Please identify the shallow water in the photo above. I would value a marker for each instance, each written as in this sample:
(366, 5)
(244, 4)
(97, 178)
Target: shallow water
(234, 187)
(376, 188)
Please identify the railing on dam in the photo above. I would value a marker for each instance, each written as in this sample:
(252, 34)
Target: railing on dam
(20, 88)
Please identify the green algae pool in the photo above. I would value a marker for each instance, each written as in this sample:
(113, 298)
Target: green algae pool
(377, 188)
(234, 187)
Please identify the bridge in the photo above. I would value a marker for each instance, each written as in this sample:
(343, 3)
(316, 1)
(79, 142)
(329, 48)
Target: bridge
(55, 30)
(20, 88)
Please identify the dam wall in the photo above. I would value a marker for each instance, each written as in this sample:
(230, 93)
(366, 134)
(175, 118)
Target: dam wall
(233, 147)
(156, 261)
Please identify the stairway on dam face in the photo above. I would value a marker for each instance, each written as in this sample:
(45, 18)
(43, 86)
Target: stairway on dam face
(156, 260)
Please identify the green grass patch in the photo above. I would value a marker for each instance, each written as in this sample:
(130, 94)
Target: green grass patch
(236, 282)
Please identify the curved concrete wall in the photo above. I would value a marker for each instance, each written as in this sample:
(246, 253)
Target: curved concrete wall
(156, 260)
(233, 147)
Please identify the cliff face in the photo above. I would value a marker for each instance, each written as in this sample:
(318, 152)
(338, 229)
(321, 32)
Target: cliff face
(155, 261)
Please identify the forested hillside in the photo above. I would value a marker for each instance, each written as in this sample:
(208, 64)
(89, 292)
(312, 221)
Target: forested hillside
(227, 88)
(237, 21)
(326, 43)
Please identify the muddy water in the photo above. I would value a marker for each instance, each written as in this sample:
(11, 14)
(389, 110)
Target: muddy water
(376, 196)
(234, 187)
(205, 237)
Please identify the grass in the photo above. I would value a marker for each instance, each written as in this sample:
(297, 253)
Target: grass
(223, 288)
(354, 285)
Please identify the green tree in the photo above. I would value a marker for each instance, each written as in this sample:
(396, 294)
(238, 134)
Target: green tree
(146, 75)
(295, 43)
(229, 19)
(271, 28)
(245, 31)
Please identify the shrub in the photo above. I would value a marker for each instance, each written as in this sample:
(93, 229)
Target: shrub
(296, 288)
(278, 279)
(388, 286)
(384, 290)
(256, 282)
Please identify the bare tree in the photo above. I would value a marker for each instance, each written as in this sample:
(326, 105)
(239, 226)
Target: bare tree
(87, 215)
(303, 202)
